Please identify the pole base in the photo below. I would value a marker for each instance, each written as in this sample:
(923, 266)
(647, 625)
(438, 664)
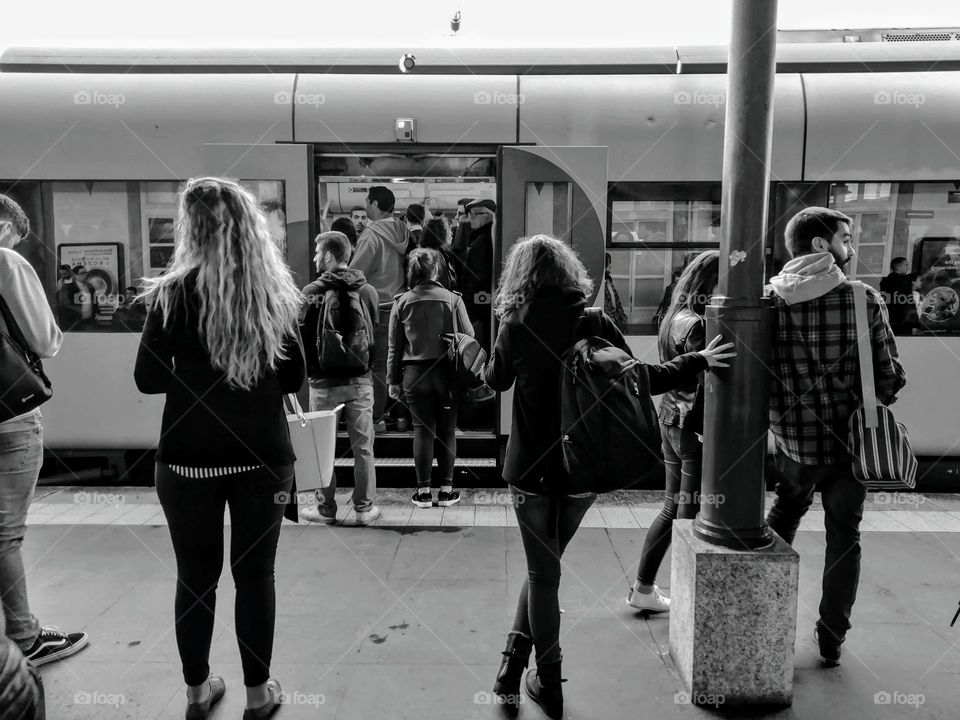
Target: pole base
(733, 538)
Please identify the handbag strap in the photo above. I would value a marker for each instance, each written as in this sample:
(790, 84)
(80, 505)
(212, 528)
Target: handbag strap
(13, 330)
(867, 390)
(297, 410)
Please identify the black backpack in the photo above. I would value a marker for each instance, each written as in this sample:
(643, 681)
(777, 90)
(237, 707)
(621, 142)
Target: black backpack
(610, 431)
(344, 334)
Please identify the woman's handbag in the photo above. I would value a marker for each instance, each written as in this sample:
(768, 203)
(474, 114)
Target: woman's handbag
(314, 439)
(467, 360)
(23, 384)
(882, 456)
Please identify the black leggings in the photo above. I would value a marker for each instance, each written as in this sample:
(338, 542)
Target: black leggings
(194, 510)
(434, 412)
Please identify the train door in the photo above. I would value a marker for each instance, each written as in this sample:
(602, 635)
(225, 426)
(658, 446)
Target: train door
(559, 191)
(281, 177)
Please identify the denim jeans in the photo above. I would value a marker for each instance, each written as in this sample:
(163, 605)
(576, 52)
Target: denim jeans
(843, 498)
(194, 510)
(538, 608)
(434, 412)
(682, 458)
(21, 455)
(358, 415)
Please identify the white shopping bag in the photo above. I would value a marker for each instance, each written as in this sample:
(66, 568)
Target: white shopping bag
(314, 439)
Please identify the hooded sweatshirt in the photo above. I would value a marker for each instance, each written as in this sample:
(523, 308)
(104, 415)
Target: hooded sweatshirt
(338, 278)
(815, 368)
(381, 248)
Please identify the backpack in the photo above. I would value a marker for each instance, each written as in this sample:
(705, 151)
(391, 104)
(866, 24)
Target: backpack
(609, 427)
(467, 358)
(344, 334)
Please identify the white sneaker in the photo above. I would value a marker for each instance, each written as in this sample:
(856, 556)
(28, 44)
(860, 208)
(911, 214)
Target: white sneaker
(365, 517)
(314, 514)
(654, 601)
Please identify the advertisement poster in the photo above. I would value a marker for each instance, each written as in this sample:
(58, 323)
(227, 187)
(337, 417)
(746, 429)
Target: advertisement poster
(102, 263)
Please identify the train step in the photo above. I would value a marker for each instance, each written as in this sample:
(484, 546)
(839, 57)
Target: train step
(404, 462)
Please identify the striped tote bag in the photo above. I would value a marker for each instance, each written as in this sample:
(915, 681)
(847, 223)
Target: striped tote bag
(880, 446)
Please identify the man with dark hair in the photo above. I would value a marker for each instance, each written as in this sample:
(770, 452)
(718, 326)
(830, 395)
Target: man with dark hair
(381, 249)
(414, 216)
(345, 225)
(358, 216)
(897, 291)
(815, 388)
(332, 385)
(477, 278)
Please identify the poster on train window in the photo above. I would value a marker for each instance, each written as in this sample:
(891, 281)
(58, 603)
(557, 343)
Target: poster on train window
(102, 264)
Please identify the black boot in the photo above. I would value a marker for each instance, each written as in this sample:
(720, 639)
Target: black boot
(543, 687)
(515, 656)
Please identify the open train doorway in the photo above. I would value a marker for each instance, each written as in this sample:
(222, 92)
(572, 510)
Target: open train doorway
(425, 184)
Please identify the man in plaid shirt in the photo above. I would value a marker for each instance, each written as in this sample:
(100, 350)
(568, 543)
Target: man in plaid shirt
(815, 388)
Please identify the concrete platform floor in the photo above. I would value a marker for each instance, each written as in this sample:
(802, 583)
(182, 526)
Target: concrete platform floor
(408, 622)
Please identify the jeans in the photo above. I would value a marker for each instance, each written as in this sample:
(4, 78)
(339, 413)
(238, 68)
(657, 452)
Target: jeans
(381, 339)
(843, 498)
(358, 414)
(434, 410)
(194, 511)
(682, 457)
(21, 455)
(538, 608)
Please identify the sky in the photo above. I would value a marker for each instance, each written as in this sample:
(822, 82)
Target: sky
(426, 23)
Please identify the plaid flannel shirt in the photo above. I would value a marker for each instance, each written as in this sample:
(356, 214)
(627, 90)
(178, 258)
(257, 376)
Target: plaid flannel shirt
(815, 383)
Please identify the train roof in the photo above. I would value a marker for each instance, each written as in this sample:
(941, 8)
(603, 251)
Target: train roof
(829, 57)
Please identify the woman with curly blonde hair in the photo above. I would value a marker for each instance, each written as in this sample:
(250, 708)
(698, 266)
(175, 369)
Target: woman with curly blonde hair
(221, 342)
(543, 292)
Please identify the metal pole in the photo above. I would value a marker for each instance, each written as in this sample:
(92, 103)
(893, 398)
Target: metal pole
(735, 412)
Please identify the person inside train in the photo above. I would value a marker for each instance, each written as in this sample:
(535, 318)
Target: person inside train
(814, 390)
(76, 307)
(542, 295)
(417, 369)
(415, 216)
(380, 253)
(461, 230)
(436, 236)
(897, 291)
(612, 305)
(477, 277)
(683, 330)
(358, 216)
(222, 329)
(132, 313)
(334, 378)
(21, 445)
(345, 225)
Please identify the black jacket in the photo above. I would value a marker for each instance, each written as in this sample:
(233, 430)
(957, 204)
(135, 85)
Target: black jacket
(683, 405)
(529, 348)
(477, 278)
(206, 422)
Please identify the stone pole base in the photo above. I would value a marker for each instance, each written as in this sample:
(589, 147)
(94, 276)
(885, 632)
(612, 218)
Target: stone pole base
(733, 619)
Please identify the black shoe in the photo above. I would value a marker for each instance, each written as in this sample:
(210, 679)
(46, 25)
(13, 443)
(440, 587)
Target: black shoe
(201, 710)
(423, 499)
(52, 645)
(829, 645)
(271, 706)
(544, 688)
(446, 499)
(515, 657)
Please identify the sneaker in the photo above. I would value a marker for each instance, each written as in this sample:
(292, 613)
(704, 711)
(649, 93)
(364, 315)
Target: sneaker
(365, 517)
(319, 514)
(829, 645)
(380, 427)
(446, 499)
(52, 645)
(423, 499)
(653, 601)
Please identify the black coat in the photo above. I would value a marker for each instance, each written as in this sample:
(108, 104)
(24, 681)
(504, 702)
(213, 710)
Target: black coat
(529, 350)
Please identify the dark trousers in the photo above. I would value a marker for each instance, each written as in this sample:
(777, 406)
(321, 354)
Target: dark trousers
(843, 498)
(682, 458)
(538, 608)
(379, 361)
(194, 510)
(434, 414)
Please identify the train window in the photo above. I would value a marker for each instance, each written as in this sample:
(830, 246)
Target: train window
(918, 222)
(655, 230)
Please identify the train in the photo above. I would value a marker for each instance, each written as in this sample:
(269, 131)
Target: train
(619, 151)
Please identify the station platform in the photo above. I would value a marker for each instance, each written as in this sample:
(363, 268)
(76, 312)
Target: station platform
(406, 618)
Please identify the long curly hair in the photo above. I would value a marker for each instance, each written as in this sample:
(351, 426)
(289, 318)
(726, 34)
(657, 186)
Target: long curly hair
(249, 303)
(693, 289)
(534, 263)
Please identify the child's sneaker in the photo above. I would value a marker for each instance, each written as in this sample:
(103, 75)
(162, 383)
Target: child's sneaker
(423, 499)
(446, 499)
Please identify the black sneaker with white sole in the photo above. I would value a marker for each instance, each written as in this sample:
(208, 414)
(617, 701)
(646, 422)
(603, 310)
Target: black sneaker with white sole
(423, 499)
(52, 645)
(446, 499)
(829, 645)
